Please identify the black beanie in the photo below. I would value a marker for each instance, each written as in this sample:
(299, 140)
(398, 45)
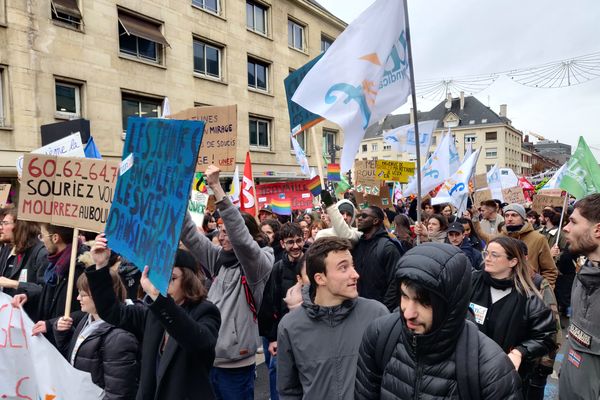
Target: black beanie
(184, 259)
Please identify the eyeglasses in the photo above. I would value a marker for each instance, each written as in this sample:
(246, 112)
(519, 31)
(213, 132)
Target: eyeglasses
(41, 237)
(291, 242)
(493, 254)
(4, 223)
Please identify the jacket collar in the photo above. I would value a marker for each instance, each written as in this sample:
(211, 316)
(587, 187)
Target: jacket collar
(332, 316)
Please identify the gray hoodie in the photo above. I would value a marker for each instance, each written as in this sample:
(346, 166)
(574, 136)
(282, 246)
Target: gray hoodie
(318, 348)
(339, 227)
(238, 335)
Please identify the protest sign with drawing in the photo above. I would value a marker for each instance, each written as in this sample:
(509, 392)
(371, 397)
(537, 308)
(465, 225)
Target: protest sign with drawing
(151, 197)
(297, 191)
(220, 135)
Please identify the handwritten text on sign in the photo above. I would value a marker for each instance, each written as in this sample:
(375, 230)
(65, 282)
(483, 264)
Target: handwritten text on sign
(297, 191)
(151, 197)
(4, 192)
(398, 171)
(67, 191)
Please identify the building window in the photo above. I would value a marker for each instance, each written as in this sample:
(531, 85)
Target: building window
(328, 141)
(491, 136)
(140, 38)
(256, 17)
(208, 5)
(472, 122)
(433, 140)
(138, 106)
(207, 59)
(3, 121)
(470, 138)
(295, 35)
(488, 167)
(67, 12)
(374, 147)
(325, 43)
(364, 148)
(387, 147)
(260, 132)
(68, 100)
(491, 152)
(484, 120)
(301, 138)
(258, 74)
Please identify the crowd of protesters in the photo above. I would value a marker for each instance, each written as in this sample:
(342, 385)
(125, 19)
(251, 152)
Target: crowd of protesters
(344, 301)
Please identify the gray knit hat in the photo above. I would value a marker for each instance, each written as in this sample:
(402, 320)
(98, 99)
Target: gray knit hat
(519, 209)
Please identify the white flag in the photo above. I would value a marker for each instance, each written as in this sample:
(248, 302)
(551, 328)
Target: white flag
(362, 77)
(556, 178)
(166, 108)
(234, 191)
(494, 183)
(402, 139)
(456, 188)
(468, 150)
(435, 170)
(31, 368)
(300, 156)
(454, 158)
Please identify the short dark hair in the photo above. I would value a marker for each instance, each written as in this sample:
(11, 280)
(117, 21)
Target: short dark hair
(254, 229)
(442, 220)
(290, 230)
(318, 251)
(378, 213)
(423, 295)
(66, 234)
(490, 203)
(300, 264)
(589, 207)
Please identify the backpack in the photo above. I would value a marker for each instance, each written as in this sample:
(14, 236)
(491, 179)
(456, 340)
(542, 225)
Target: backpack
(467, 379)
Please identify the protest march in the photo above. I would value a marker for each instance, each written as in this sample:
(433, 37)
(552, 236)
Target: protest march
(186, 269)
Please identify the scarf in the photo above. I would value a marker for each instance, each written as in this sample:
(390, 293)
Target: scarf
(226, 259)
(514, 228)
(58, 267)
(438, 237)
(504, 321)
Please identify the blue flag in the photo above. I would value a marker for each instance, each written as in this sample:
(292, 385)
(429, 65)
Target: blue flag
(91, 151)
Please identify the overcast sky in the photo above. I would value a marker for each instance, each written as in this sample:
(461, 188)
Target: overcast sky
(467, 37)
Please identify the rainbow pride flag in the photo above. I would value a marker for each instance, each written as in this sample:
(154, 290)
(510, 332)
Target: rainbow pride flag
(333, 172)
(314, 185)
(199, 183)
(281, 206)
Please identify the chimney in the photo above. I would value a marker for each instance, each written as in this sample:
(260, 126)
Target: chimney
(462, 100)
(412, 116)
(503, 110)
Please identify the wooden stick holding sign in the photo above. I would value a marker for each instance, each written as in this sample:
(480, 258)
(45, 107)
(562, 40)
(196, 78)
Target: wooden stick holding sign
(313, 134)
(71, 281)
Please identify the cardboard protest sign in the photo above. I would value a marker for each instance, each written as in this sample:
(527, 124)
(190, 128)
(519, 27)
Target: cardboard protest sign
(300, 118)
(4, 192)
(151, 197)
(296, 191)
(31, 367)
(70, 146)
(542, 200)
(480, 181)
(67, 191)
(551, 192)
(481, 195)
(513, 195)
(398, 171)
(364, 173)
(198, 199)
(220, 135)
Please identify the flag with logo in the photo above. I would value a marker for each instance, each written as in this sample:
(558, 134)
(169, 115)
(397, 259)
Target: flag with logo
(300, 156)
(234, 191)
(402, 139)
(556, 178)
(582, 175)
(494, 182)
(248, 201)
(435, 170)
(455, 189)
(454, 158)
(362, 77)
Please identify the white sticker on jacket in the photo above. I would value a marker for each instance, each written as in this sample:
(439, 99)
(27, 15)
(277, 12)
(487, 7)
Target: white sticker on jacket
(23, 276)
(479, 311)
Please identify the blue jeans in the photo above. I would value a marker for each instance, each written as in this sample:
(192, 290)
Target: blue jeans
(271, 362)
(233, 383)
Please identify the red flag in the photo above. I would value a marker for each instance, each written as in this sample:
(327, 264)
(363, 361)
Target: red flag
(248, 203)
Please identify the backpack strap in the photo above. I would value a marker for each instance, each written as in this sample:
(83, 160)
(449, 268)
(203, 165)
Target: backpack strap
(387, 340)
(249, 297)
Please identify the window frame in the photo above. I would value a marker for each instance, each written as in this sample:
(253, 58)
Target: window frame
(58, 114)
(302, 27)
(139, 98)
(302, 142)
(491, 140)
(327, 133)
(326, 39)
(365, 148)
(266, 65)
(204, 8)
(267, 122)
(469, 136)
(491, 152)
(3, 102)
(159, 47)
(69, 20)
(387, 147)
(220, 50)
(265, 11)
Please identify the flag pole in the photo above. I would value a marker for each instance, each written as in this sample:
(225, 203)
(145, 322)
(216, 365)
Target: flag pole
(313, 133)
(562, 216)
(414, 106)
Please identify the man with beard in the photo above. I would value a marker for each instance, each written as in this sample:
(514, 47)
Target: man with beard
(581, 366)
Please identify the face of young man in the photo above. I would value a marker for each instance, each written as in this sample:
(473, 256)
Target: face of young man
(341, 278)
(293, 247)
(7, 225)
(224, 238)
(511, 218)
(581, 234)
(419, 318)
(455, 238)
(48, 240)
(366, 220)
(488, 212)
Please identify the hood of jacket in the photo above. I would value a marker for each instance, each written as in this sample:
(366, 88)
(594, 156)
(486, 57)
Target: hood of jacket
(332, 316)
(527, 227)
(345, 201)
(442, 269)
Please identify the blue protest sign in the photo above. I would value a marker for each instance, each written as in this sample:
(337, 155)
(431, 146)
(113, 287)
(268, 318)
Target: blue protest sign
(300, 118)
(151, 195)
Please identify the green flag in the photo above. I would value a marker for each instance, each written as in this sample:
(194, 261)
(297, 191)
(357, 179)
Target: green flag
(342, 185)
(582, 176)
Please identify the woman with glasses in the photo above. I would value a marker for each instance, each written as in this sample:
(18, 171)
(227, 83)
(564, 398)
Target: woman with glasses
(509, 309)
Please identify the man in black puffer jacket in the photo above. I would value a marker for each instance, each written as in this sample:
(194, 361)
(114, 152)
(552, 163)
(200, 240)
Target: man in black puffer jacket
(430, 346)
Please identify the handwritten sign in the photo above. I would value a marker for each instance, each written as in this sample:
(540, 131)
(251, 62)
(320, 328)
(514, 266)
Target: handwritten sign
(220, 135)
(364, 173)
(4, 192)
(480, 181)
(150, 199)
(31, 367)
(551, 192)
(398, 171)
(67, 191)
(540, 201)
(70, 146)
(296, 191)
(480, 196)
(513, 195)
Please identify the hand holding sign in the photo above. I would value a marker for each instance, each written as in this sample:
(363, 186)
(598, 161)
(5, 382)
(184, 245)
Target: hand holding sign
(100, 251)
(212, 180)
(148, 287)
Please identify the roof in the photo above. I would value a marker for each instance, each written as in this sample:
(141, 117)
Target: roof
(326, 11)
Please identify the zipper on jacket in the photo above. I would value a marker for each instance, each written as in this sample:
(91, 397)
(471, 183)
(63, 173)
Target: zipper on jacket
(419, 371)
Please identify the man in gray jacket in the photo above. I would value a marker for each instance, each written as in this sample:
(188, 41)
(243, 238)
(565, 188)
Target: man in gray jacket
(580, 370)
(318, 342)
(241, 267)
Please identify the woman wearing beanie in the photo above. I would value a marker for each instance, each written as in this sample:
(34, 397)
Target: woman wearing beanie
(509, 309)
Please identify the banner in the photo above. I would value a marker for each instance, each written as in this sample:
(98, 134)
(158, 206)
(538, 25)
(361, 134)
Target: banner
(300, 118)
(151, 197)
(67, 191)
(31, 367)
(540, 201)
(4, 192)
(582, 176)
(220, 135)
(297, 191)
(362, 77)
(513, 195)
(398, 171)
(402, 139)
